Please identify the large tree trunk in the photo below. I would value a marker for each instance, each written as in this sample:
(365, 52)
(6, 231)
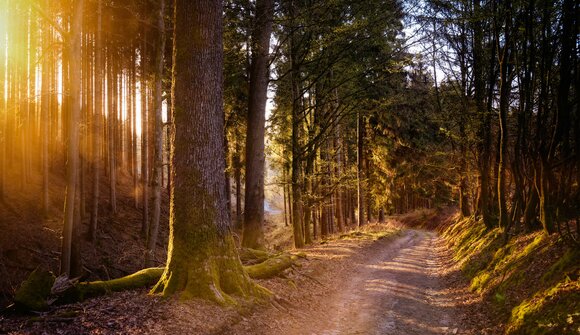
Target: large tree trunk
(253, 234)
(72, 166)
(202, 260)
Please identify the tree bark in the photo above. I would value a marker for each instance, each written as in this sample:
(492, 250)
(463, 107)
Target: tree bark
(144, 143)
(504, 88)
(72, 166)
(253, 233)
(158, 159)
(360, 176)
(296, 134)
(202, 260)
(97, 131)
(45, 111)
(112, 127)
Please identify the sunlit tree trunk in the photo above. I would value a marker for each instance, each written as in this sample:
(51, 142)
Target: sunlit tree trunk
(134, 133)
(202, 260)
(3, 103)
(74, 50)
(360, 171)
(158, 160)
(44, 111)
(504, 88)
(97, 125)
(144, 142)
(112, 129)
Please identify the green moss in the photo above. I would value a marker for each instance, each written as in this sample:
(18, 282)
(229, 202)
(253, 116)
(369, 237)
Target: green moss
(252, 256)
(271, 267)
(34, 291)
(568, 264)
(143, 278)
(555, 310)
(369, 235)
(500, 273)
(480, 281)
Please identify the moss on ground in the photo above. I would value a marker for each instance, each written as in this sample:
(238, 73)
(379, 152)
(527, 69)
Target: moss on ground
(368, 235)
(34, 292)
(555, 310)
(529, 277)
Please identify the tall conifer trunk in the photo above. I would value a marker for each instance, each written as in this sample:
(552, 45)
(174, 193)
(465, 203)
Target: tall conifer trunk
(253, 234)
(158, 160)
(202, 260)
(72, 166)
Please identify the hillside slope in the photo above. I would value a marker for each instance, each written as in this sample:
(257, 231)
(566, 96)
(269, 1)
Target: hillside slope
(531, 283)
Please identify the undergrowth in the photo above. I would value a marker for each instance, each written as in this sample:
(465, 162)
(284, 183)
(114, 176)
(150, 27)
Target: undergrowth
(532, 280)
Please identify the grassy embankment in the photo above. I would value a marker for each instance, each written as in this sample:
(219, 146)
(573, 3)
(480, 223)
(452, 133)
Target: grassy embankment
(532, 280)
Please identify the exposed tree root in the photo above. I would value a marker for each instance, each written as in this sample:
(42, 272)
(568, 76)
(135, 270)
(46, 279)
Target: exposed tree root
(34, 296)
(271, 267)
(253, 256)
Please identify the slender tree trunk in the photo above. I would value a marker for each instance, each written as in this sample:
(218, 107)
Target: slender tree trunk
(112, 125)
(158, 161)
(144, 143)
(360, 171)
(45, 110)
(134, 133)
(504, 88)
(238, 180)
(285, 197)
(3, 104)
(484, 130)
(296, 135)
(253, 234)
(97, 125)
(74, 50)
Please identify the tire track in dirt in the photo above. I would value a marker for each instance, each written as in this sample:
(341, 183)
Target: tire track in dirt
(393, 286)
(397, 291)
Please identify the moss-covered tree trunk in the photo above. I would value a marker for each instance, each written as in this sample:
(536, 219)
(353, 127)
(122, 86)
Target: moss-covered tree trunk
(202, 260)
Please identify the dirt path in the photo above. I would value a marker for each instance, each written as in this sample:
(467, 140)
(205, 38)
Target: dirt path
(397, 291)
(393, 287)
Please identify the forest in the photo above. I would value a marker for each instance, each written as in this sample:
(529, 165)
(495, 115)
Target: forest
(289, 167)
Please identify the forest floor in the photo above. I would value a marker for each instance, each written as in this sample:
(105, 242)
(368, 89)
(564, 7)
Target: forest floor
(401, 282)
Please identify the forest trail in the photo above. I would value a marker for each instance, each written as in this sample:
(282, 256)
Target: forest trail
(398, 291)
(393, 286)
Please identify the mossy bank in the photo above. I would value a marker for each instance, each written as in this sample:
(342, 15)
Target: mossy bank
(532, 280)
